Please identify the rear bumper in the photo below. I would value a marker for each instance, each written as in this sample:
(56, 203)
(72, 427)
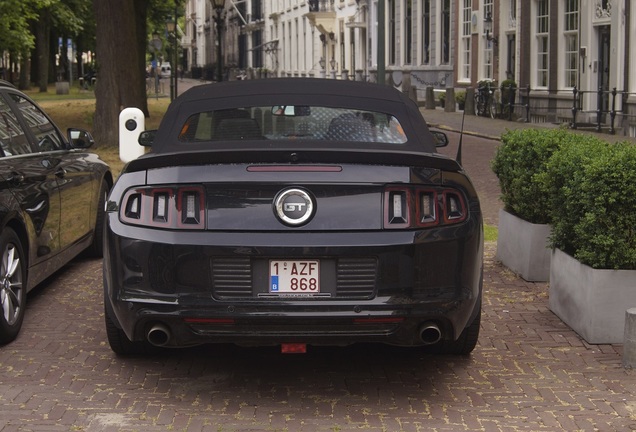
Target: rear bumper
(421, 278)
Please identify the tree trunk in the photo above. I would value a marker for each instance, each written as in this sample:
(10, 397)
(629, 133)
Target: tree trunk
(141, 14)
(120, 73)
(42, 32)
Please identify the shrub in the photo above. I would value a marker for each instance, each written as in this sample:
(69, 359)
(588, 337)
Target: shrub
(581, 185)
(518, 163)
(592, 200)
(507, 84)
(489, 84)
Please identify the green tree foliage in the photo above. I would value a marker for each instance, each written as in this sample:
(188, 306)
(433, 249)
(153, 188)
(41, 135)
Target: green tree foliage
(51, 19)
(15, 33)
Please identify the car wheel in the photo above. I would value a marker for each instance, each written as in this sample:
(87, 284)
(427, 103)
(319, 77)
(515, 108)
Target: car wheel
(12, 285)
(96, 249)
(466, 342)
(119, 342)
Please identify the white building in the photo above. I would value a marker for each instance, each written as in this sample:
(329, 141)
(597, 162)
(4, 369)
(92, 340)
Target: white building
(553, 47)
(328, 38)
(548, 46)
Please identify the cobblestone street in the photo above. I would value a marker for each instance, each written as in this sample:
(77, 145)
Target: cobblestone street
(529, 372)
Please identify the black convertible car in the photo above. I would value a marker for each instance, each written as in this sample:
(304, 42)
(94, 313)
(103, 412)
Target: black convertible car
(293, 212)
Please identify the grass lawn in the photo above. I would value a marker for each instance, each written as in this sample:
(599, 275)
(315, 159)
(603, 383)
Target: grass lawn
(73, 111)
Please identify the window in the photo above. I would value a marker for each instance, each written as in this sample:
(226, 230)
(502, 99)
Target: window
(257, 50)
(465, 39)
(426, 31)
(408, 31)
(47, 137)
(285, 49)
(342, 45)
(487, 8)
(13, 140)
(446, 31)
(392, 33)
(571, 36)
(297, 46)
(488, 46)
(257, 11)
(293, 123)
(542, 41)
(305, 53)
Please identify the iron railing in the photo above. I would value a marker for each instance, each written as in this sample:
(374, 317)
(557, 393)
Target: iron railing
(606, 101)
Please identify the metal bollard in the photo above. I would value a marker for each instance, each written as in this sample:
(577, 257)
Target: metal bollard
(629, 342)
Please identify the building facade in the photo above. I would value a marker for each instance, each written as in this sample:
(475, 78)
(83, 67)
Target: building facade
(328, 38)
(566, 57)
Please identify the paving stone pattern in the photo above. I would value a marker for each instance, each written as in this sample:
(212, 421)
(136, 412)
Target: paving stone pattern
(529, 372)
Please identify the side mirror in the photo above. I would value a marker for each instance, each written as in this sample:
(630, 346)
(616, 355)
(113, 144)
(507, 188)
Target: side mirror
(146, 138)
(80, 138)
(441, 140)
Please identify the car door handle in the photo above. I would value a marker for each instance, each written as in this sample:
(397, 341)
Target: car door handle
(15, 178)
(60, 173)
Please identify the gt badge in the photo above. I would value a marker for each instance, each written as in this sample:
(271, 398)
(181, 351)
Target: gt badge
(294, 207)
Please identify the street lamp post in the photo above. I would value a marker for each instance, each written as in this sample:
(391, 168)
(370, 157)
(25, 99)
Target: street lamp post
(171, 28)
(155, 47)
(488, 27)
(219, 8)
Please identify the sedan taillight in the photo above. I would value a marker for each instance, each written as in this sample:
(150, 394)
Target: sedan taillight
(165, 207)
(415, 207)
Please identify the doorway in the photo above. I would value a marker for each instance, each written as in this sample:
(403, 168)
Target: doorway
(604, 68)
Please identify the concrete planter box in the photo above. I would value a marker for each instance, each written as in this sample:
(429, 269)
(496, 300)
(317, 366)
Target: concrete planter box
(592, 302)
(523, 247)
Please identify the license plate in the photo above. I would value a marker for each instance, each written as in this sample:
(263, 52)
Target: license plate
(294, 277)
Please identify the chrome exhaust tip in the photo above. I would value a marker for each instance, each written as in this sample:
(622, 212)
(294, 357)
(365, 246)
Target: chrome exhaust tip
(158, 335)
(430, 333)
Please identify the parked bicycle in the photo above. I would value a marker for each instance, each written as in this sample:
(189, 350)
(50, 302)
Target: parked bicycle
(488, 100)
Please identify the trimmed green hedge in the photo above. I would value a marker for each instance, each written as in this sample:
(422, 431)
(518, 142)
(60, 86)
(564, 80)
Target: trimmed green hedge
(592, 189)
(519, 160)
(583, 186)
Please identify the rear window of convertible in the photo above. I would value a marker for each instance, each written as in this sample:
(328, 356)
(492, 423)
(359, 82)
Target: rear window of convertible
(286, 122)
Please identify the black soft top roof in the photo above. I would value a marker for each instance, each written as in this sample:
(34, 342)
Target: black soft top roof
(291, 91)
(419, 150)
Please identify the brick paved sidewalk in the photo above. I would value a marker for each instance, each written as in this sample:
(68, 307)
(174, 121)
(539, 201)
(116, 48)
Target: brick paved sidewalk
(529, 372)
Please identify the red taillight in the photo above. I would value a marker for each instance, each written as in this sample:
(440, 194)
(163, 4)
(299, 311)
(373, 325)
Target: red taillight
(165, 207)
(417, 207)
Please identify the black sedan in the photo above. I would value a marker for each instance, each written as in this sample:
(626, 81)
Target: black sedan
(293, 212)
(52, 198)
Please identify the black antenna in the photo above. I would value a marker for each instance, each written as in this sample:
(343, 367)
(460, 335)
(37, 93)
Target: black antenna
(458, 158)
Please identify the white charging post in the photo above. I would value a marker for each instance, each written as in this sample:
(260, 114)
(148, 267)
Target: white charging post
(131, 124)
